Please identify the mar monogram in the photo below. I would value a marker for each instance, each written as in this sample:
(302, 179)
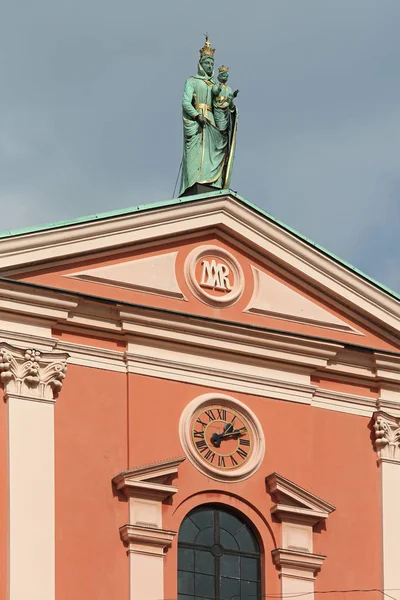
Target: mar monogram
(214, 275)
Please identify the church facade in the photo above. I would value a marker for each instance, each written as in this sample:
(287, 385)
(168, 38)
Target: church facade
(198, 403)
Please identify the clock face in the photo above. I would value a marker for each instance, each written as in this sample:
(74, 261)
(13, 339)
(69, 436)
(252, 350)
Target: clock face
(222, 437)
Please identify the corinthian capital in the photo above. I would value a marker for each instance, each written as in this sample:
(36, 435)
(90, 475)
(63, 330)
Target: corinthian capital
(387, 436)
(32, 373)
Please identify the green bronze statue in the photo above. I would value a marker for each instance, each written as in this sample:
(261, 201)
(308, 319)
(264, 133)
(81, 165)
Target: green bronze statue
(209, 126)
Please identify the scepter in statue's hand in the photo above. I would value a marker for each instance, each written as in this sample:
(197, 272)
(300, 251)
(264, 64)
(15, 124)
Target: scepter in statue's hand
(201, 120)
(235, 93)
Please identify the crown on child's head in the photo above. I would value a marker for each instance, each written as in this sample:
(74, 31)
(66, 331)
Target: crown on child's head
(206, 50)
(223, 69)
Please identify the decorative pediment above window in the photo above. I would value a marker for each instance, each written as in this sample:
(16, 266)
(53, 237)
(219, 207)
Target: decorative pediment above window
(144, 536)
(152, 481)
(295, 503)
(146, 488)
(298, 510)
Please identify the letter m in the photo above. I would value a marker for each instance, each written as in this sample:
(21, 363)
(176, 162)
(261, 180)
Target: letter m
(215, 276)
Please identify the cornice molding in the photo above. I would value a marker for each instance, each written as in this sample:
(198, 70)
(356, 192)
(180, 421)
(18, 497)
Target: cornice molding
(213, 375)
(30, 373)
(231, 341)
(387, 437)
(344, 402)
(93, 356)
(387, 367)
(146, 540)
(230, 337)
(286, 560)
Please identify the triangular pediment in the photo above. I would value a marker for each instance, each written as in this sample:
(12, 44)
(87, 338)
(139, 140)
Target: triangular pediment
(151, 480)
(293, 501)
(141, 256)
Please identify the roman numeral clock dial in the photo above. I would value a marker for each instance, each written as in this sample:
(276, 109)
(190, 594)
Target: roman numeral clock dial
(222, 437)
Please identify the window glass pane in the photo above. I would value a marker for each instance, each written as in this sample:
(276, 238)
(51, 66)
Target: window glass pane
(203, 518)
(205, 586)
(249, 568)
(230, 566)
(230, 522)
(185, 582)
(185, 559)
(205, 537)
(204, 562)
(227, 540)
(187, 531)
(210, 537)
(246, 540)
(229, 588)
(249, 590)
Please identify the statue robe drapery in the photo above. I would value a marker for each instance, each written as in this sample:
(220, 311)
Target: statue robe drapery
(207, 151)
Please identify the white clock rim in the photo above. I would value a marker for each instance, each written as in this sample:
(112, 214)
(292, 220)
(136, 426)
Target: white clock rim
(185, 436)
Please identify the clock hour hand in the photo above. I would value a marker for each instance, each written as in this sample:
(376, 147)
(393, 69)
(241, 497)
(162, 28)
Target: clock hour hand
(216, 439)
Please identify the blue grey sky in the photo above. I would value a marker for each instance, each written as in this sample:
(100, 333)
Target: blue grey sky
(90, 116)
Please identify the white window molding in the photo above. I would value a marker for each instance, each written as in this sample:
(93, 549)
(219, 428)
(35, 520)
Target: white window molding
(144, 537)
(298, 510)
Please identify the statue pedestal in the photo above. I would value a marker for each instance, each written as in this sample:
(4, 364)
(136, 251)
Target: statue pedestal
(198, 188)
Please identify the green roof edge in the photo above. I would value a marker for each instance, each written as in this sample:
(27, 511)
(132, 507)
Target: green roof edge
(184, 200)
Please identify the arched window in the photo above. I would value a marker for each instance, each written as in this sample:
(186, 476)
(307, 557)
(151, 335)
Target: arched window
(219, 557)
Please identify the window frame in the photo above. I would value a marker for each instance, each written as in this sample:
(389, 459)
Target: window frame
(217, 510)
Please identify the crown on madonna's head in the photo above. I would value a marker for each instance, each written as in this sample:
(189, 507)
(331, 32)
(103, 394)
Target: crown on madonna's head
(206, 50)
(223, 68)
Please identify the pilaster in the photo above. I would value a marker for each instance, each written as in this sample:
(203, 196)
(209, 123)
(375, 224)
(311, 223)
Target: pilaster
(387, 445)
(32, 381)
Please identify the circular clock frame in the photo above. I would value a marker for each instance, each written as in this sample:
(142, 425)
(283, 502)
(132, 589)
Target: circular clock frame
(252, 462)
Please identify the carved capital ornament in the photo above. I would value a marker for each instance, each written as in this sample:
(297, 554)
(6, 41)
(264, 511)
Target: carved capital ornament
(387, 436)
(31, 373)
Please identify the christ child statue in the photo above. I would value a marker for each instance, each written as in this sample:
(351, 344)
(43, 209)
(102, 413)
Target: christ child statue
(223, 99)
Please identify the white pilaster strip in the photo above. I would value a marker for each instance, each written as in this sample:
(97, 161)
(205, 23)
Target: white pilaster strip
(31, 380)
(387, 443)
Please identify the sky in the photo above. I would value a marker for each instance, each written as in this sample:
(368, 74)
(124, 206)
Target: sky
(90, 111)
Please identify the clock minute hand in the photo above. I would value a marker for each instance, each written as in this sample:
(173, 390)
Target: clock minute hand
(234, 432)
(238, 431)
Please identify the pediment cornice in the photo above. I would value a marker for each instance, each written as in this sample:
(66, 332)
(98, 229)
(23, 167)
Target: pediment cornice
(226, 213)
(152, 481)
